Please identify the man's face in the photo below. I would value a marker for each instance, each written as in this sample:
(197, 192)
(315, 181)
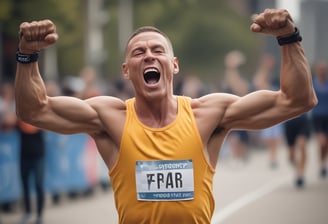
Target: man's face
(150, 64)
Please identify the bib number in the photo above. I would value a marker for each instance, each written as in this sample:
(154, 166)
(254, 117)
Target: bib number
(168, 180)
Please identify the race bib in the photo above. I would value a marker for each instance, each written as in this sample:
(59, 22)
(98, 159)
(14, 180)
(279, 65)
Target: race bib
(165, 180)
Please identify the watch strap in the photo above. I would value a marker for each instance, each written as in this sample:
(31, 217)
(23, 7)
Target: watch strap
(295, 37)
(26, 58)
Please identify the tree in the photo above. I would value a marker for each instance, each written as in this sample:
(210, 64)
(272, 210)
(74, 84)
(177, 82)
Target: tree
(202, 32)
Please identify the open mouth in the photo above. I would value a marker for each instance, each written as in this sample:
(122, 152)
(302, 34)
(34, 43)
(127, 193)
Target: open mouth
(151, 75)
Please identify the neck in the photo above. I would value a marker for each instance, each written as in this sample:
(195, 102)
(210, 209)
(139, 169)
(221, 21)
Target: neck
(157, 113)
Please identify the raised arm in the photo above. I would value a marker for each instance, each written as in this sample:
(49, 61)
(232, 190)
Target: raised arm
(265, 108)
(60, 114)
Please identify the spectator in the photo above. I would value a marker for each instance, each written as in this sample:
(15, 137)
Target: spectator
(238, 140)
(272, 136)
(32, 164)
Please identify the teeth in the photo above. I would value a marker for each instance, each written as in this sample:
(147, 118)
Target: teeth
(150, 70)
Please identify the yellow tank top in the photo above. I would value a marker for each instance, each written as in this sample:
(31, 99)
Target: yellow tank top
(161, 175)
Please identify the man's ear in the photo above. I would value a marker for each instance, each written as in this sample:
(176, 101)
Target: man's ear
(175, 65)
(125, 71)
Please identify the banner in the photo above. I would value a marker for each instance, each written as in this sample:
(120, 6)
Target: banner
(10, 189)
(71, 164)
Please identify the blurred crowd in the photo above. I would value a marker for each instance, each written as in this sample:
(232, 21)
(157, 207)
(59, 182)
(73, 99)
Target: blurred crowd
(293, 134)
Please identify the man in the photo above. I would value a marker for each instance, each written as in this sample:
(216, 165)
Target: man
(238, 140)
(32, 163)
(297, 134)
(272, 136)
(161, 149)
(320, 113)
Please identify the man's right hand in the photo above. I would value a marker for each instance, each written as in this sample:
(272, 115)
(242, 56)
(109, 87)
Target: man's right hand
(36, 36)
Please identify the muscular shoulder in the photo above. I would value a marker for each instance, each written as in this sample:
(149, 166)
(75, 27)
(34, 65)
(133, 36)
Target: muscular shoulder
(110, 110)
(100, 103)
(209, 110)
(111, 113)
(213, 101)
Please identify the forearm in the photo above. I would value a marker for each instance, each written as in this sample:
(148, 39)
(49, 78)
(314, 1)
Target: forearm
(30, 91)
(295, 79)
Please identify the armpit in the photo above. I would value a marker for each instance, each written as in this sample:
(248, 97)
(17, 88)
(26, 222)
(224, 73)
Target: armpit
(218, 130)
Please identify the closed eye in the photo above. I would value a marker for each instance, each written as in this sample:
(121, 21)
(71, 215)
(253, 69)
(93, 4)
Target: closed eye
(158, 50)
(137, 52)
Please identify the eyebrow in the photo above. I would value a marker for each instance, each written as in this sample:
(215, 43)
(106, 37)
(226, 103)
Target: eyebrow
(168, 41)
(152, 47)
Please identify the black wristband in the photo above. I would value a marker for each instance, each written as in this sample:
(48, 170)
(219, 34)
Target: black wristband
(26, 58)
(295, 37)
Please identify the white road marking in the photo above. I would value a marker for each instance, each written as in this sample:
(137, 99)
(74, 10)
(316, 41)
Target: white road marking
(227, 211)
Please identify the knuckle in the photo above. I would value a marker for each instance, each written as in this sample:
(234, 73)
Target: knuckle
(285, 11)
(266, 11)
(24, 26)
(34, 24)
(49, 25)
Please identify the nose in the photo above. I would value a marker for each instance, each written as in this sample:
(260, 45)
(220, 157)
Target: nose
(149, 56)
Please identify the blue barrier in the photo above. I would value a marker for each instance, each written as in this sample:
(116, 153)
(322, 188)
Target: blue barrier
(64, 162)
(10, 189)
(72, 164)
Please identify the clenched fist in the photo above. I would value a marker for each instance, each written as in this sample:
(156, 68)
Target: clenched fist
(36, 36)
(276, 22)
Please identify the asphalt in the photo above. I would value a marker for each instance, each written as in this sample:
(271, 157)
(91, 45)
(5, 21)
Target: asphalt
(248, 192)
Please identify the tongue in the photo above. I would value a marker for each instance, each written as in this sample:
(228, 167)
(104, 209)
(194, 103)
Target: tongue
(151, 77)
(152, 81)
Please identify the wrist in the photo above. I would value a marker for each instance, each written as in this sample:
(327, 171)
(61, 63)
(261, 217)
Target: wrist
(26, 58)
(293, 38)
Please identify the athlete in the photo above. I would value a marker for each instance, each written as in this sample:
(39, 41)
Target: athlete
(162, 149)
(320, 113)
(297, 133)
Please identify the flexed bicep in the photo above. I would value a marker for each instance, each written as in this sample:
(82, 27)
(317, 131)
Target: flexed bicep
(258, 110)
(68, 115)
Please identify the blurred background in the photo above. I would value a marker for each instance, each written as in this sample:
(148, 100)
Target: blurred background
(94, 32)
(86, 61)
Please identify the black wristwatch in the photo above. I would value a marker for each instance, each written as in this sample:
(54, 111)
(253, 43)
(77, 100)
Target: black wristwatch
(26, 58)
(295, 37)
